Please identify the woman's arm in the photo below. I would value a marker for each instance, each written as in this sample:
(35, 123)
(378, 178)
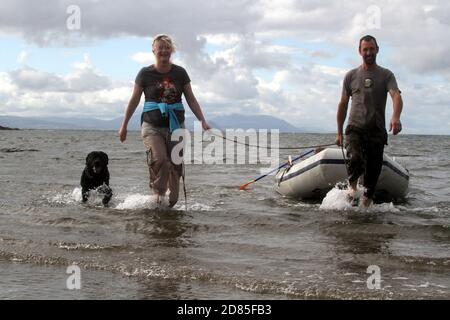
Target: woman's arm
(193, 104)
(132, 105)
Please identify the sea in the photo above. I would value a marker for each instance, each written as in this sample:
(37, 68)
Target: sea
(222, 243)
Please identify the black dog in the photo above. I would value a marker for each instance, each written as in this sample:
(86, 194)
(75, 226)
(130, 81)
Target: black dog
(96, 174)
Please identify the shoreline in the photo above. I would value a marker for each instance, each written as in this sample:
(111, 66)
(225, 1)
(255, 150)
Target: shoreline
(138, 130)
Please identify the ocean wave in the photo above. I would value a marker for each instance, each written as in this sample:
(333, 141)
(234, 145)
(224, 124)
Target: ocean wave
(190, 274)
(425, 263)
(69, 246)
(11, 150)
(307, 286)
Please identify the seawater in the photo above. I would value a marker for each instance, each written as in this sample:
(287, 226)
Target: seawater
(226, 244)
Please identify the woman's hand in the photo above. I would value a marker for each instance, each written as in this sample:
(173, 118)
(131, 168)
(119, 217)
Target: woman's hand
(132, 105)
(195, 107)
(122, 133)
(205, 125)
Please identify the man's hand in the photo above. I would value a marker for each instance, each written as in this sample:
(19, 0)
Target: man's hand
(397, 103)
(395, 126)
(339, 139)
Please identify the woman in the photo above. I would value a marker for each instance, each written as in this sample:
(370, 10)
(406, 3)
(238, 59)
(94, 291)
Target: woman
(163, 83)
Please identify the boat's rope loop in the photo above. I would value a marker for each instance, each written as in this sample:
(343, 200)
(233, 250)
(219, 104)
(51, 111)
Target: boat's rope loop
(280, 148)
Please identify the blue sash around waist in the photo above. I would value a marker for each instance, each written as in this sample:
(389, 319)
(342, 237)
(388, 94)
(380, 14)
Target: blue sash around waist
(166, 110)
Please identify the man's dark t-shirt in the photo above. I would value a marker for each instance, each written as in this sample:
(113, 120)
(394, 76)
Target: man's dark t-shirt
(368, 89)
(162, 87)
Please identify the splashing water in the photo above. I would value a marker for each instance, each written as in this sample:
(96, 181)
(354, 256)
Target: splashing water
(124, 202)
(95, 197)
(138, 201)
(338, 199)
(67, 198)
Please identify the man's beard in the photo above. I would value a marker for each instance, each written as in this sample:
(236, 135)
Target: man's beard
(371, 59)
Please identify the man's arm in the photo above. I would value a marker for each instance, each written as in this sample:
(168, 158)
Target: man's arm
(341, 115)
(395, 125)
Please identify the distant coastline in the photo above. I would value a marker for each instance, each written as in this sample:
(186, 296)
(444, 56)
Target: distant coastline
(6, 128)
(220, 122)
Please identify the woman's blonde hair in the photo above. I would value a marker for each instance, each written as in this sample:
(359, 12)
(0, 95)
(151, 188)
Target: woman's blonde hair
(166, 39)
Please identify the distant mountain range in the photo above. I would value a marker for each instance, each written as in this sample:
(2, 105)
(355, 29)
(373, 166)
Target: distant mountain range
(233, 121)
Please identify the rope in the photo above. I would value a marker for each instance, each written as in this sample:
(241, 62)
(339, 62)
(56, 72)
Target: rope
(184, 186)
(279, 148)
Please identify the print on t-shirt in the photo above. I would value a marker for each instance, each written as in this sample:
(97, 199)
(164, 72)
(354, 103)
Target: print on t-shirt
(167, 91)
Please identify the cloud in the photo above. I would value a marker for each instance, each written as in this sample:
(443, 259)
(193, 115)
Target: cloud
(104, 104)
(310, 104)
(82, 92)
(404, 27)
(46, 24)
(280, 57)
(22, 57)
(31, 79)
(84, 78)
(143, 57)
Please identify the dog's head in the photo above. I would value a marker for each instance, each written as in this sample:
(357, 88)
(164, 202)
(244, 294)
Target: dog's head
(97, 161)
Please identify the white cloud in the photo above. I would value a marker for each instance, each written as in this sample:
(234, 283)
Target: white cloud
(84, 78)
(6, 84)
(22, 57)
(82, 92)
(28, 78)
(143, 57)
(104, 104)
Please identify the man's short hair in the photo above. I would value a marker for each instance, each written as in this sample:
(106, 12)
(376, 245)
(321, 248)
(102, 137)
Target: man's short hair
(368, 38)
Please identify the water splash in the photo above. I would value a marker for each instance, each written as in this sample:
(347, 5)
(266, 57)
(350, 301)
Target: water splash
(196, 207)
(338, 199)
(124, 202)
(67, 198)
(139, 201)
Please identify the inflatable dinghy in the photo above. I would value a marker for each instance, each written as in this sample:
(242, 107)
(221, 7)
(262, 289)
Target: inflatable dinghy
(318, 174)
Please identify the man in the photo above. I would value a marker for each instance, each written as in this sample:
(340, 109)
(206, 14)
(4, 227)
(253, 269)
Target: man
(365, 133)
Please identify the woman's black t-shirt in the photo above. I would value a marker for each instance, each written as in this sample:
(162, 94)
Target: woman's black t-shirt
(162, 87)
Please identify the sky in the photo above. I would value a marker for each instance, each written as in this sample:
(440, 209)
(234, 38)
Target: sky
(284, 58)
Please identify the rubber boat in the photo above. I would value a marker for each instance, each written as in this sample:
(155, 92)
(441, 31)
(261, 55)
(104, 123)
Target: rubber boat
(315, 176)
